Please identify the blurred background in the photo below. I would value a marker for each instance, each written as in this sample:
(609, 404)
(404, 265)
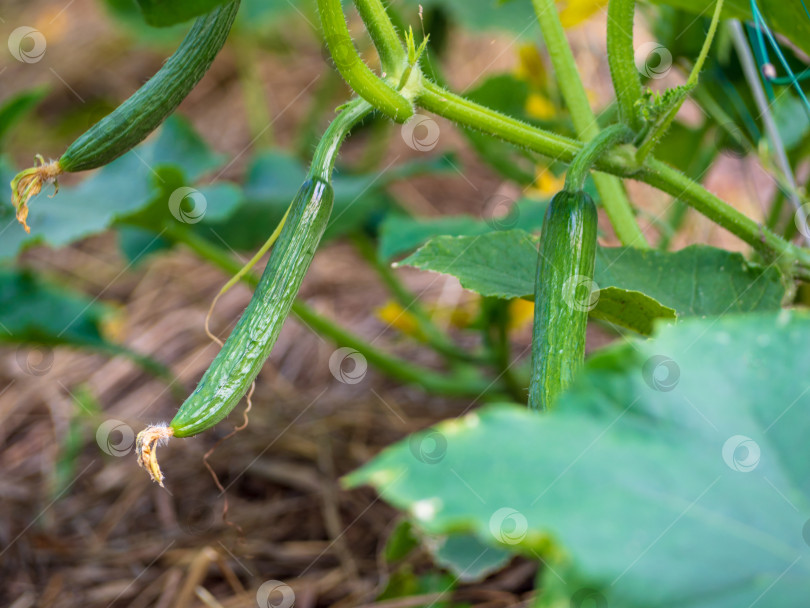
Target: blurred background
(103, 315)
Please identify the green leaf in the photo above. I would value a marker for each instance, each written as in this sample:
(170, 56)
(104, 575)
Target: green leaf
(696, 281)
(788, 18)
(674, 472)
(162, 13)
(17, 106)
(466, 557)
(274, 177)
(516, 17)
(400, 234)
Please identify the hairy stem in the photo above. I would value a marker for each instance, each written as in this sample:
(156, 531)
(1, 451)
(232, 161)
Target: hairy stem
(356, 73)
(383, 35)
(622, 62)
(593, 150)
(611, 192)
(653, 172)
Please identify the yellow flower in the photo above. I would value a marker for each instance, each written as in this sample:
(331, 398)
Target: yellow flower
(395, 316)
(546, 184)
(539, 107)
(575, 12)
(530, 66)
(521, 313)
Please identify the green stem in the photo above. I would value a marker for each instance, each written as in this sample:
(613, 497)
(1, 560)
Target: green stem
(593, 150)
(654, 172)
(394, 367)
(611, 192)
(383, 35)
(323, 159)
(356, 73)
(655, 135)
(621, 60)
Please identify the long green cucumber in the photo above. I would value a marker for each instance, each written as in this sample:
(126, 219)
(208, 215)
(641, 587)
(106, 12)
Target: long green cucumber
(148, 107)
(563, 294)
(233, 370)
(250, 343)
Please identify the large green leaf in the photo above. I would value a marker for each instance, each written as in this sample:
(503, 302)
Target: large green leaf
(514, 16)
(401, 234)
(675, 472)
(17, 106)
(697, 280)
(787, 17)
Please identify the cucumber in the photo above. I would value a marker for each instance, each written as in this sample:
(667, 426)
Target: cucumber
(563, 294)
(148, 107)
(246, 349)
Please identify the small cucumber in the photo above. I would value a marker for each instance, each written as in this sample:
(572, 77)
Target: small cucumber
(148, 107)
(250, 343)
(563, 294)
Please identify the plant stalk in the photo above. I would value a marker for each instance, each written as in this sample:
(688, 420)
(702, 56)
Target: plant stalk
(384, 36)
(611, 192)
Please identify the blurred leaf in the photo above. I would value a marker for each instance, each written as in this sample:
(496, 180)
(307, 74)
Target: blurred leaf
(788, 18)
(467, 558)
(35, 311)
(120, 189)
(17, 106)
(513, 16)
(401, 542)
(161, 13)
(696, 281)
(400, 234)
(791, 119)
(274, 177)
(674, 472)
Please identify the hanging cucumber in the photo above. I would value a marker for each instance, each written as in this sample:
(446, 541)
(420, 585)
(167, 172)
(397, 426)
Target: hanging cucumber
(564, 288)
(138, 116)
(233, 370)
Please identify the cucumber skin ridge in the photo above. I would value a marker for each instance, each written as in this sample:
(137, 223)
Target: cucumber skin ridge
(567, 249)
(131, 122)
(239, 361)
